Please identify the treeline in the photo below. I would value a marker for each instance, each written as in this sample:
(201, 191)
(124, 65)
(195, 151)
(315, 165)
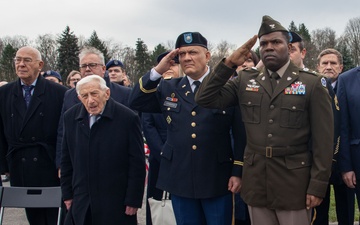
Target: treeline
(60, 52)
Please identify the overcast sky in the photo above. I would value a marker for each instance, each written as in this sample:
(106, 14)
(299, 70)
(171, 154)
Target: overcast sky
(160, 21)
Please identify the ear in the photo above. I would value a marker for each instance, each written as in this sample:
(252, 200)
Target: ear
(107, 93)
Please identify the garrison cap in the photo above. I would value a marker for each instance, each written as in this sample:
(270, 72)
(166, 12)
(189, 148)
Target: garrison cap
(162, 55)
(270, 25)
(52, 73)
(191, 39)
(295, 37)
(114, 63)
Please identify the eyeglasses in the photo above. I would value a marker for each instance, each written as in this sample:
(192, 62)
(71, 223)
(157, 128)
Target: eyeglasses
(18, 60)
(90, 65)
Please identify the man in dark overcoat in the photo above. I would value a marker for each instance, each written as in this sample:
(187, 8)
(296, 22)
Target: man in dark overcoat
(91, 62)
(28, 133)
(103, 161)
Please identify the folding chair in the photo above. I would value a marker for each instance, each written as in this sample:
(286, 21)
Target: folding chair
(31, 197)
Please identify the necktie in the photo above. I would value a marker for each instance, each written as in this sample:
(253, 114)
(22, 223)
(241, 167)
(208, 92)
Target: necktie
(27, 95)
(273, 78)
(93, 119)
(197, 84)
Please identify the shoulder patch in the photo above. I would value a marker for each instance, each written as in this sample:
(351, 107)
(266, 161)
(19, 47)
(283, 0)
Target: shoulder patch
(323, 82)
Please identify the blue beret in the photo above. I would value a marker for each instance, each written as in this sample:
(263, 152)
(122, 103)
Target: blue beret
(162, 55)
(52, 73)
(114, 63)
(191, 39)
(295, 37)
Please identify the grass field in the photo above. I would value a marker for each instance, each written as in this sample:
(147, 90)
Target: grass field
(332, 212)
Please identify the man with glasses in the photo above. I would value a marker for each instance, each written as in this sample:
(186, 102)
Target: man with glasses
(91, 62)
(28, 129)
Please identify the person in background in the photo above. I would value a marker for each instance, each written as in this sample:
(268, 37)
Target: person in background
(88, 151)
(198, 165)
(155, 129)
(28, 128)
(73, 77)
(241, 209)
(297, 50)
(283, 108)
(116, 71)
(330, 64)
(53, 76)
(349, 153)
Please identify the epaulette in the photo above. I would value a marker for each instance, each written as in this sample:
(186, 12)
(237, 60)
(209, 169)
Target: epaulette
(308, 71)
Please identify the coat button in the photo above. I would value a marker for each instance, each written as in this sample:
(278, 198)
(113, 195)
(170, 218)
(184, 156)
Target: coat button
(271, 121)
(272, 106)
(35, 159)
(193, 124)
(269, 135)
(168, 109)
(23, 159)
(193, 135)
(249, 103)
(194, 147)
(193, 113)
(294, 107)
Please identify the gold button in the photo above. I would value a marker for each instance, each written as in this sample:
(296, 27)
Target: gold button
(249, 103)
(193, 135)
(193, 113)
(302, 163)
(168, 109)
(223, 112)
(193, 124)
(294, 107)
(194, 147)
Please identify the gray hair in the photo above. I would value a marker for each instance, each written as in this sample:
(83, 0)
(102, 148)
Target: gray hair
(89, 79)
(91, 50)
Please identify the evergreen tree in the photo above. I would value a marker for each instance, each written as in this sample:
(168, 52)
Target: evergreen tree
(142, 59)
(157, 51)
(292, 27)
(7, 67)
(348, 61)
(68, 52)
(95, 42)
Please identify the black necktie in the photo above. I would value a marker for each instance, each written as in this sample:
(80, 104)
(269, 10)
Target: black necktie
(27, 95)
(197, 84)
(273, 78)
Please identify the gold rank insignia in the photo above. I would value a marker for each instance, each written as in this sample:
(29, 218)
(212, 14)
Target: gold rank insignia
(168, 119)
(172, 95)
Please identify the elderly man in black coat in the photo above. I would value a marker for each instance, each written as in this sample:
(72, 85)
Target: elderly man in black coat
(104, 137)
(29, 116)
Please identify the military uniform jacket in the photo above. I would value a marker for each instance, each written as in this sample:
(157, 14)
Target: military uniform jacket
(28, 136)
(197, 158)
(103, 167)
(279, 169)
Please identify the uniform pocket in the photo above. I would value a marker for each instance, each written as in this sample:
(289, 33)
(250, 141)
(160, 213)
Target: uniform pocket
(292, 111)
(297, 161)
(167, 152)
(250, 105)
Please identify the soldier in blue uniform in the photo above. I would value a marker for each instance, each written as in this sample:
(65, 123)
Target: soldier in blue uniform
(198, 166)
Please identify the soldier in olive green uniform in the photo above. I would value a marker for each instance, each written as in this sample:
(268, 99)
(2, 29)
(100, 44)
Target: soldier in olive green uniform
(282, 107)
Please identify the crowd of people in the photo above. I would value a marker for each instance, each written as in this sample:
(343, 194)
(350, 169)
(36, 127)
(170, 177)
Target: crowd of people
(258, 139)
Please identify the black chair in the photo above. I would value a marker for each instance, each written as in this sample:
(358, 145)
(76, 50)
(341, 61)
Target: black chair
(31, 197)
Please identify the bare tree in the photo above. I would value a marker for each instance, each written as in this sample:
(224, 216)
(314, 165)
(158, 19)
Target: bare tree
(324, 38)
(223, 49)
(48, 46)
(352, 34)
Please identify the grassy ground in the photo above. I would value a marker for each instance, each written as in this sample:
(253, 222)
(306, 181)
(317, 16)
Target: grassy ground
(332, 212)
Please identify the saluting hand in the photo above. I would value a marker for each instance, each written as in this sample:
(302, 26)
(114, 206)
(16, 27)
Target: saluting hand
(166, 62)
(240, 55)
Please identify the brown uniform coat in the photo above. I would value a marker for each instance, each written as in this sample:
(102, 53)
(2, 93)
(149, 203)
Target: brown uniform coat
(279, 169)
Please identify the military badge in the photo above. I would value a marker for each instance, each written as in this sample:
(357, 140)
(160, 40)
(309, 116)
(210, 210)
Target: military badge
(171, 99)
(170, 104)
(188, 38)
(298, 88)
(252, 86)
(168, 119)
